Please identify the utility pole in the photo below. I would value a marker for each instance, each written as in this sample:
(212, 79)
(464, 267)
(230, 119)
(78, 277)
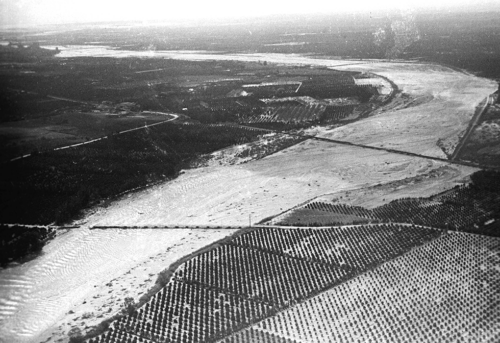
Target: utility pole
(250, 220)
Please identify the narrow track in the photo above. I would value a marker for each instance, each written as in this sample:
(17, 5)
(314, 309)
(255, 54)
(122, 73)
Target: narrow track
(472, 125)
(394, 151)
(175, 116)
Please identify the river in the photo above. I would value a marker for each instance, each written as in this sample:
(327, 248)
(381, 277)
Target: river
(39, 294)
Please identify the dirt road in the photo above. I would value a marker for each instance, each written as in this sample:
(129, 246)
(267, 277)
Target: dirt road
(174, 117)
(472, 125)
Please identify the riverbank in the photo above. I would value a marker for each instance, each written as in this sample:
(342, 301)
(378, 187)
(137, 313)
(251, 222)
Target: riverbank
(92, 271)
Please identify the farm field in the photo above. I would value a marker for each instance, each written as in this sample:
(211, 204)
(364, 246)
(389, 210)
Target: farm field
(177, 230)
(454, 96)
(337, 113)
(483, 144)
(291, 112)
(443, 102)
(110, 108)
(84, 276)
(471, 208)
(441, 291)
(261, 189)
(266, 187)
(250, 277)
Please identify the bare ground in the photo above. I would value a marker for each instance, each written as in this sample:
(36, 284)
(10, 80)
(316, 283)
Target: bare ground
(84, 276)
(225, 195)
(229, 195)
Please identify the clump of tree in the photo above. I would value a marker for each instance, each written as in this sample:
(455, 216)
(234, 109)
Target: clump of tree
(129, 306)
(488, 180)
(18, 242)
(75, 335)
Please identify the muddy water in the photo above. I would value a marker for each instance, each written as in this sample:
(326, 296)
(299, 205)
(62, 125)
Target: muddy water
(35, 295)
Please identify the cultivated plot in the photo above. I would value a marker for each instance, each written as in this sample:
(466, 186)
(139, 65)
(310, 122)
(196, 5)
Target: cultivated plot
(445, 291)
(248, 278)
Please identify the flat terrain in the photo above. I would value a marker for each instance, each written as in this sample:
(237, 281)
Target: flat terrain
(104, 109)
(71, 127)
(37, 296)
(445, 288)
(84, 276)
(269, 186)
(257, 273)
(483, 144)
(444, 101)
(441, 291)
(219, 195)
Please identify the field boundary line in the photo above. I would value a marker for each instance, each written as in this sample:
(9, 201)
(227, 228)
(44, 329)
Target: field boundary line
(342, 280)
(170, 271)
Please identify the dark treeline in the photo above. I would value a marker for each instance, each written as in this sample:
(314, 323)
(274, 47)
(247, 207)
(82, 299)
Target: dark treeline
(56, 186)
(17, 242)
(486, 180)
(464, 40)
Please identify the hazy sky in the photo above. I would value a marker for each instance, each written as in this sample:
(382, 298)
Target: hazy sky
(39, 12)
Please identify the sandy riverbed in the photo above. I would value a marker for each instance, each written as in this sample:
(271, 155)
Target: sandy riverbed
(441, 102)
(101, 268)
(88, 273)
